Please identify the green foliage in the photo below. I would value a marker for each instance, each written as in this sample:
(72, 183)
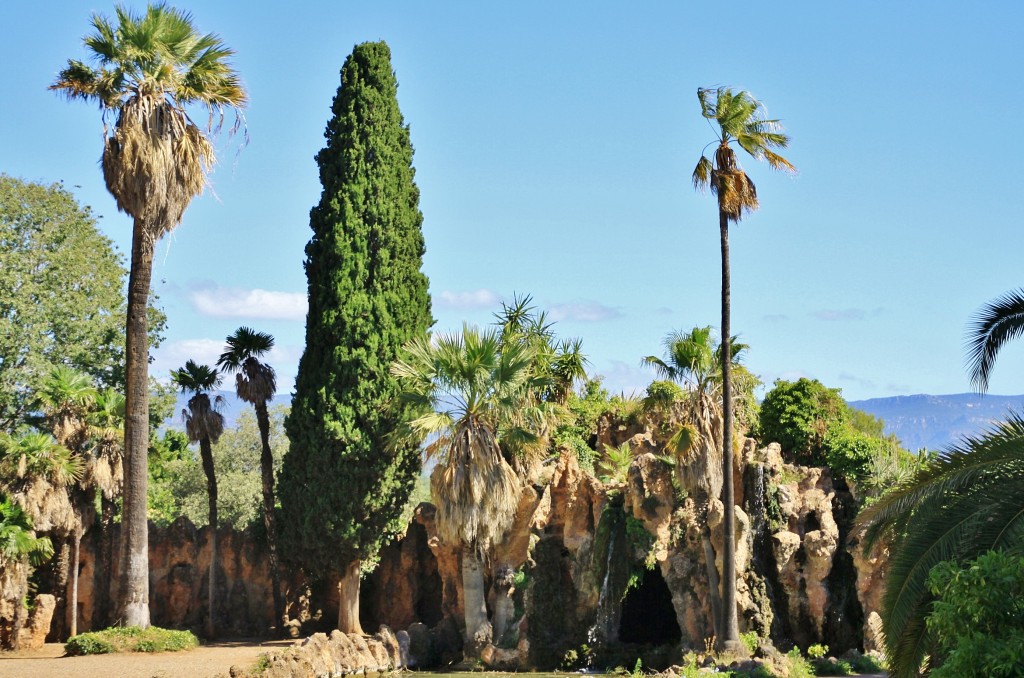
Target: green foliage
(865, 423)
(62, 295)
(17, 538)
(817, 651)
(750, 641)
(342, 488)
(798, 666)
(867, 663)
(850, 454)
(614, 465)
(178, 485)
(130, 639)
(958, 506)
(798, 415)
(977, 619)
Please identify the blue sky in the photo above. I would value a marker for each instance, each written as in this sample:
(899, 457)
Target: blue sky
(554, 144)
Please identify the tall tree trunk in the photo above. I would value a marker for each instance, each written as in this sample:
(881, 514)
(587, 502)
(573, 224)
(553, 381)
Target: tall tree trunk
(58, 625)
(206, 452)
(348, 600)
(478, 630)
(134, 589)
(269, 524)
(729, 629)
(103, 574)
(504, 608)
(73, 605)
(714, 582)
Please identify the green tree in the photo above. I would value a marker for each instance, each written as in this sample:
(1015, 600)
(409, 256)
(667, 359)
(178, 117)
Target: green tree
(470, 392)
(967, 501)
(61, 298)
(256, 384)
(977, 620)
(204, 425)
(798, 416)
(739, 119)
(150, 69)
(341, 487)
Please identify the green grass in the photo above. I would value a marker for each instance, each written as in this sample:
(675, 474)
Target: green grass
(130, 639)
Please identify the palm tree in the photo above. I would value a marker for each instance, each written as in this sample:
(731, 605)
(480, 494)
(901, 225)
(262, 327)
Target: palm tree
(150, 69)
(996, 323)
(204, 425)
(256, 383)
(694, 360)
(106, 473)
(471, 393)
(19, 548)
(36, 473)
(66, 397)
(967, 501)
(738, 116)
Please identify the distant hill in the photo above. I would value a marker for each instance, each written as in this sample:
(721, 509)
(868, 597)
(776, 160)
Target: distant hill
(935, 422)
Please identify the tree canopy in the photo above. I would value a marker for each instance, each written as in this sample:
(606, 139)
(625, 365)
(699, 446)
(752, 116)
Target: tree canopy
(341, 486)
(62, 299)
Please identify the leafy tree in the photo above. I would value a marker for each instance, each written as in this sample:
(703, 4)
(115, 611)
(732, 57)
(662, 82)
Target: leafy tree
(256, 383)
(204, 425)
(341, 487)
(977, 619)
(967, 501)
(798, 415)
(61, 299)
(739, 118)
(470, 392)
(150, 69)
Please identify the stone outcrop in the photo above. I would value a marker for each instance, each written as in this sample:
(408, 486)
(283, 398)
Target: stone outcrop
(337, 654)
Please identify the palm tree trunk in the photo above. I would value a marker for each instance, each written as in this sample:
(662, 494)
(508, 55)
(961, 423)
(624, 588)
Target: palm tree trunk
(74, 583)
(103, 575)
(348, 600)
(58, 626)
(267, 468)
(478, 632)
(206, 452)
(134, 590)
(714, 583)
(729, 638)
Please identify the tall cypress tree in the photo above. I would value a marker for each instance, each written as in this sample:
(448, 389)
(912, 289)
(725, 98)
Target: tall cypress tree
(342, 486)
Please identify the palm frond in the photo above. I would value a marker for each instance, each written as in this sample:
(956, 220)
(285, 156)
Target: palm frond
(995, 324)
(195, 378)
(702, 173)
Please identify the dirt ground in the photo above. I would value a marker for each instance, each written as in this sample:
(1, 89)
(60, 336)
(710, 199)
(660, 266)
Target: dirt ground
(202, 662)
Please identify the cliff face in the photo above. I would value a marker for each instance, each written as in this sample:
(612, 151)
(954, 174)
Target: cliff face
(587, 569)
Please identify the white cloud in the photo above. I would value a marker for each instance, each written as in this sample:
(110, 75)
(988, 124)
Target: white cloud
(583, 311)
(223, 302)
(481, 298)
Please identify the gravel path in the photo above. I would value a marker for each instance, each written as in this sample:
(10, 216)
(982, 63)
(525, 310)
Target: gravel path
(203, 662)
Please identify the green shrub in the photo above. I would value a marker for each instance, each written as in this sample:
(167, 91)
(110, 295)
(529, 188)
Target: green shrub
(866, 663)
(130, 639)
(750, 640)
(817, 651)
(798, 666)
(977, 621)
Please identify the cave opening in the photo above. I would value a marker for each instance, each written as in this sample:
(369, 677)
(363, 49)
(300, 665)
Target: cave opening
(648, 616)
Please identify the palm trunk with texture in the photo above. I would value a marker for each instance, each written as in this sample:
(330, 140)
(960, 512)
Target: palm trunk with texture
(730, 632)
(269, 524)
(206, 451)
(134, 589)
(478, 631)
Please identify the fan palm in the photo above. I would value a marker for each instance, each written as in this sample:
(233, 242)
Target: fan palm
(204, 425)
(36, 472)
(149, 69)
(471, 392)
(19, 547)
(256, 384)
(966, 502)
(694, 360)
(738, 118)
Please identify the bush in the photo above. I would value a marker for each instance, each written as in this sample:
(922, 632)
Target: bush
(797, 415)
(977, 622)
(130, 639)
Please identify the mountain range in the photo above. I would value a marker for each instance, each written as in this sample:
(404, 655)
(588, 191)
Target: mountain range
(938, 421)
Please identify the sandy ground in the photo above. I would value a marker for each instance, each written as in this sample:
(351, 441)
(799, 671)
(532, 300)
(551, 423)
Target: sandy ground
(203, 662)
